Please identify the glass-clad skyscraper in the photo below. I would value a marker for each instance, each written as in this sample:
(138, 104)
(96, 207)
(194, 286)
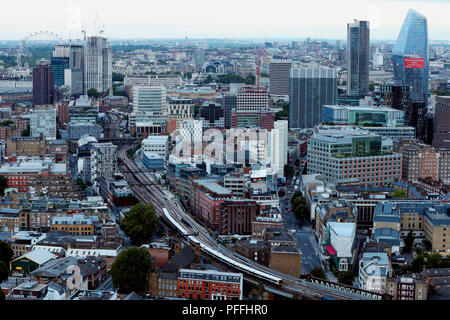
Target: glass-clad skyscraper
(58, 66)
(410, 56)
(309, 90)
(358, 43)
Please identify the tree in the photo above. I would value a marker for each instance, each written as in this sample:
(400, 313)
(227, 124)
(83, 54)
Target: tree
(427, 244)
(208, 79)
(400, 194)
(345, 277)
(297, 194)
(140, 223)
(26, 132)
(93, 93)
(319, 273)
(3, 185)
(188, 75)
(6, 253)
(297, 162)
(250, 79)
(288, 171)
(81, 184)
(130, 270)
(418, 264)
(305, 169)
(300, 209)
(4, 271)
(6, 123)
(117, 77)
(409, 240)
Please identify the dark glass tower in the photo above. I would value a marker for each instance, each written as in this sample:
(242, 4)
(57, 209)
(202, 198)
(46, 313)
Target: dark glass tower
(410, 57)
(59, 65)
(310, 90)
(43, 85)
(358, 45)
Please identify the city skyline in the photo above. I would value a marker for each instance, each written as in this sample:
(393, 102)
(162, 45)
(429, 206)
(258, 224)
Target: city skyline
(259, 20)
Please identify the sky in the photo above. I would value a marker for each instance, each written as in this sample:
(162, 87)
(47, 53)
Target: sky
(224, 19)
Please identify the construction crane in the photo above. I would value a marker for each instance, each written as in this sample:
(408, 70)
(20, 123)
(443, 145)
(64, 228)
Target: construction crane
(261, 58)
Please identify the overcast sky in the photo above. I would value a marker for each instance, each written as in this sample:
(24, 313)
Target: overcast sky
(232, 19)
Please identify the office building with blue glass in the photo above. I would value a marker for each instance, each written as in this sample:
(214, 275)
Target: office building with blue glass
(58, 66)
(411, 57)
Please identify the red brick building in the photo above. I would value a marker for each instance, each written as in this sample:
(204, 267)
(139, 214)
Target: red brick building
(237, 216)
(206, 199)
(209, 285)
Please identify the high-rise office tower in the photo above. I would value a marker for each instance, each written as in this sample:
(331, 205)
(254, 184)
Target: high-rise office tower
(43, 85)
(279, 77)
(97, 64)
(75, 53)
(229, 103)
(71, 57)
(59, 65)
(358, 46)
(252, 98)
(310, 89)
(441, 135)
(410, 57)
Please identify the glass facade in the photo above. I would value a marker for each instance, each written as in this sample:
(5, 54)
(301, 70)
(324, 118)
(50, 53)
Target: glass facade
(368, 117)
(310, 90)
(358, 42)
(58, 65)
(411, 57)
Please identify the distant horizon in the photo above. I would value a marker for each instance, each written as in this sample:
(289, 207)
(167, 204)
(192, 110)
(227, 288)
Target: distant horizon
(262, 40)
(235, 19)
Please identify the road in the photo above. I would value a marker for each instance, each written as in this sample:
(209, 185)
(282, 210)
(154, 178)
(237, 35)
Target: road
(304, 234)
(149, 193)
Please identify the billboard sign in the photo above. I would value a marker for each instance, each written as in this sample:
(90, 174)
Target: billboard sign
(414, 63)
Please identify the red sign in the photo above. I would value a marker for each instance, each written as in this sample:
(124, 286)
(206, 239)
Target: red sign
(414, 63)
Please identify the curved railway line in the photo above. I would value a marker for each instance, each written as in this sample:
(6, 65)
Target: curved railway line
(168, 207)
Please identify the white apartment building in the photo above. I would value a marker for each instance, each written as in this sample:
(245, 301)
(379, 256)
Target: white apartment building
(156, 144)
(103, 162)
(374, 269)
(43, 121)
(278, 146)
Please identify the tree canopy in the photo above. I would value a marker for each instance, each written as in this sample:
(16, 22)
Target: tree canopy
(6, 253)
(400, 194)
(319, 273)
(409, 240)
(288, 171)
(3, 185)
(130, 270)
(93, 93)
(4, 271)
(346, 277)
(140, 223)
(117, 77)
